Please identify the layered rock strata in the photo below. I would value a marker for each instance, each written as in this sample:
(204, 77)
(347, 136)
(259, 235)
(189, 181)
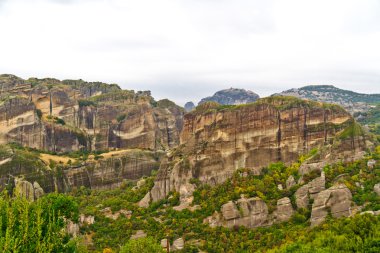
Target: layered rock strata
(217, 140)
(71, 115)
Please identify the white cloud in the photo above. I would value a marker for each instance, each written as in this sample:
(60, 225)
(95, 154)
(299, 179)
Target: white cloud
(187, 49)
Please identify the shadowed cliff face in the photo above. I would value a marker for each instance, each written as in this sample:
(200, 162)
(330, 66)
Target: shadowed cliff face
(217, 140)
(107, 171)
(71, 115)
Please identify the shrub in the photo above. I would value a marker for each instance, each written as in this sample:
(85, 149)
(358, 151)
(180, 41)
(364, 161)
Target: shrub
(142, 245)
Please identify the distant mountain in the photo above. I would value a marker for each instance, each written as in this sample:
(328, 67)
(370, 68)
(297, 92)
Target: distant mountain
(232, 96)
(352, 101)
(189, 106)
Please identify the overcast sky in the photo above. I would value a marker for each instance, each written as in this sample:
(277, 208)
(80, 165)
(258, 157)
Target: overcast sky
(188, 49)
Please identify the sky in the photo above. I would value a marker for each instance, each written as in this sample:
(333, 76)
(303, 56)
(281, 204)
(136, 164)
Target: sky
(185, 50)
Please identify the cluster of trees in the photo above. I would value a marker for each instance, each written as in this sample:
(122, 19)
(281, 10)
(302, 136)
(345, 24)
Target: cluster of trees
(37, 226)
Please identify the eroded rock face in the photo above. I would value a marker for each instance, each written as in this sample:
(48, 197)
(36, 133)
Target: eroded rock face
(109, 172)
(70, 115)
(219, 141)
(337, 199)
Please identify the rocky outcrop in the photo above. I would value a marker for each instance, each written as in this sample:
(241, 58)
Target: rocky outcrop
(232, 96)
(290, 182)
(27, 190)
(218, 140)
(138, 234)
(111, 170)
(284, 210)
(376, 188)
(309, 191)
(337, 199)
(249, 213)
(107, 212)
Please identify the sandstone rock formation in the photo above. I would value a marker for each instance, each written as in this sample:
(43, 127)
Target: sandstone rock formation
(70, 115)
(111, 170)
(309, 191)
(27, 190)
(284, 210)
(218, 140)
(337, 199)
(250, 213)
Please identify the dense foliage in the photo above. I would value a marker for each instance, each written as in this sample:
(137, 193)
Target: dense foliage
(36, 226)
(142, 245)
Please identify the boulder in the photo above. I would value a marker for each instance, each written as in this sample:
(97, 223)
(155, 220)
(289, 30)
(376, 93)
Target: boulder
(284, 210)
(302, 197)
(213, 220)
(259, 212)
(72, 228)
(376, 188)
(178, 244)
(144, 202)
(89, 220)
(38, 191)
(138, 234)
(230, 211)
(164, 243)
(337, 199)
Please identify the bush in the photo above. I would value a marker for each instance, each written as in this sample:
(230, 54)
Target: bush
(142, 245)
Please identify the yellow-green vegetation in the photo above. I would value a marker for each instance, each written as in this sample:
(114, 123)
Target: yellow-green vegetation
(371, 119)
(37, 226)
(142, 245)
(353, 130)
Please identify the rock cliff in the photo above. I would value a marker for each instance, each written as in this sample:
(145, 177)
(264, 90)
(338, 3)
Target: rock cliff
(216, 140)
(70, 115)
